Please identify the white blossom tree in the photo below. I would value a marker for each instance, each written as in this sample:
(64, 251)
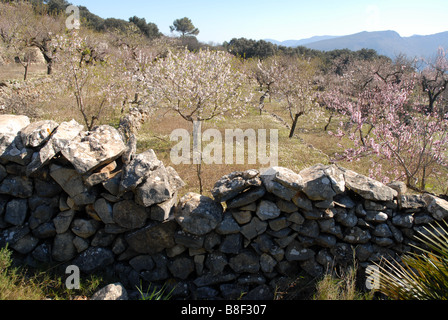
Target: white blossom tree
(97, 79)
(295, 87)
(199, 87)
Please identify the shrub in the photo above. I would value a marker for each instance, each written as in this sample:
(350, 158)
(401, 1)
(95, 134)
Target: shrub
(422, 275)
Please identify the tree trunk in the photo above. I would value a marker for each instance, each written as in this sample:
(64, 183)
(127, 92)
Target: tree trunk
(328, 124)
(49, 68)
(199, 173)
(261, 105)
(197, 151)
(294, 124)
(25, 75)
(423, 183)
(48, 59)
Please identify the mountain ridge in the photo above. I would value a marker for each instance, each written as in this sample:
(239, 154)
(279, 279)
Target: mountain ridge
(388, 43)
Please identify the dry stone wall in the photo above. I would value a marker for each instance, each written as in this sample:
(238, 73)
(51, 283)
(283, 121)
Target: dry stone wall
(76, 197)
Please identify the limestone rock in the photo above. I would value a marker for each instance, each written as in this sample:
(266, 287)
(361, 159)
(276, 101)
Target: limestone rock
(16, 212)
(246, 261)
(246, 197)
(93, 259)
(322, 182)
(368, 188)
(104, 209)
(156, 189)
(254, 228)
(403, 220)
(181, 267)
(16, 152)
(297, 252)
(412, 201)
(163, 211)
(90, 151)
(72, 183)
(282, 182)
(35, 134)
(10, 126)
(59, 139)
(84, 228)
(63, 248)
(175, 180)
(232, 184)
(267, 210)
(153, 238)
(228, 225)
(138, 169)
(113, 292)
(19, 187)
(26, 244)
(198, 214)
(129, 215)
(437, 207)
(63, 221)
(3, 173)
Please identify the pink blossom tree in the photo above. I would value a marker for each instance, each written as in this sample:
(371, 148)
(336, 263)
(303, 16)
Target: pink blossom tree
(389, 124)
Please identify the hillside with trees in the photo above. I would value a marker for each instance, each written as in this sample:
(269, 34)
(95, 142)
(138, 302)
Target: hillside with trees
(384, 118)
(109, 66)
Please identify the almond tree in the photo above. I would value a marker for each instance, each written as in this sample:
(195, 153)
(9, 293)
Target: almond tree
(295, 86)
(390, 126)
(266, 73)
(199, 87)
(434, 78)
(357, 76)
(97, 79)
(23, 27)
(15, 31)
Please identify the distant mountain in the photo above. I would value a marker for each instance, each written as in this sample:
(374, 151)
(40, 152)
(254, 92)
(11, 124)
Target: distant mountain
(388, 43)
(296, 43)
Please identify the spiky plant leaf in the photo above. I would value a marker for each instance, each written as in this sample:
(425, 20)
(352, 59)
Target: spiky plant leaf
(420, 276)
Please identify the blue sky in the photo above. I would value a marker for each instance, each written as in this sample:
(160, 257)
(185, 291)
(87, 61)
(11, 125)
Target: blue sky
(281, 20)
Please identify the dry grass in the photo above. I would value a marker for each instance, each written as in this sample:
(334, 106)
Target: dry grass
(13, 285)
(292, 152)
(15, 71)
(342, 287)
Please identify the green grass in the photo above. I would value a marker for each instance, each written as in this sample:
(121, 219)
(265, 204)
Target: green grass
(20, 283)
(13, 284)
(340, 287)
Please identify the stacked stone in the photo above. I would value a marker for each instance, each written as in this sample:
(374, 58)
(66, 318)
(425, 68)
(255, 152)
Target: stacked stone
(279, 223)
(79, 198)
(66, 195)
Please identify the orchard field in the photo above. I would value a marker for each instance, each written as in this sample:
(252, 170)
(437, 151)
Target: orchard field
(381, 117)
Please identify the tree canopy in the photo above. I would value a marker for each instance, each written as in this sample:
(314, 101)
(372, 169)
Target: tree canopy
(185, 27)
